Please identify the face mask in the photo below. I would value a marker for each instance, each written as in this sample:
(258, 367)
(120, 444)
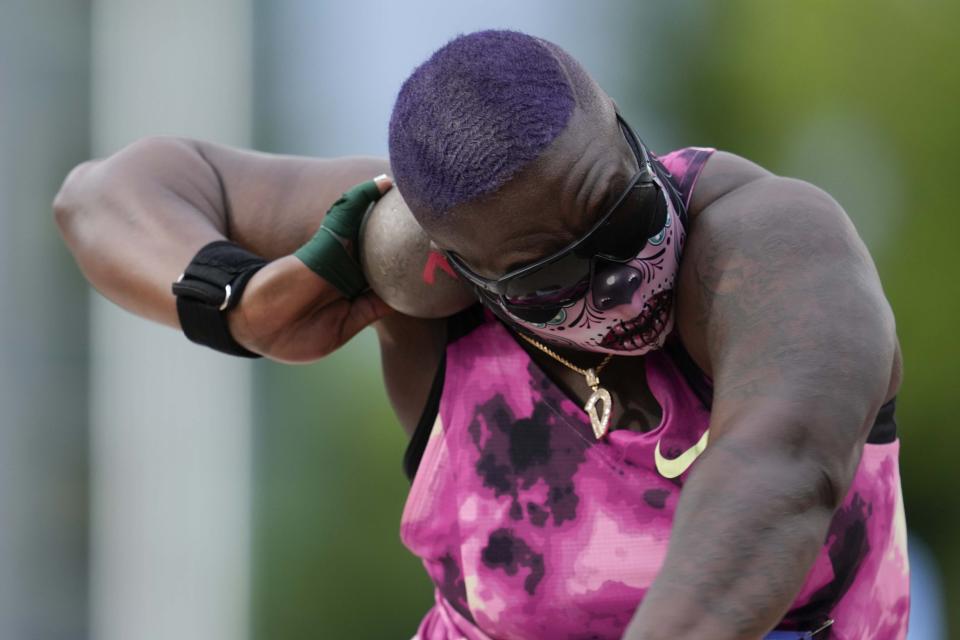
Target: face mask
(628, 309)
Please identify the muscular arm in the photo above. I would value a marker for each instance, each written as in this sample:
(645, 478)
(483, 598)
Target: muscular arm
(782, 306)
(134, 220)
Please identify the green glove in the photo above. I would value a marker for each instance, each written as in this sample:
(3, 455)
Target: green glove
(324, 253)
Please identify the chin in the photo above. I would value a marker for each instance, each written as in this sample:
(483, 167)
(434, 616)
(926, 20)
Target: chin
(645, 331)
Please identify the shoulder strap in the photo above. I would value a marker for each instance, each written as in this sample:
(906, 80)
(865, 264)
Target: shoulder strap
(683, 167)
(418, 442)
(458, 326)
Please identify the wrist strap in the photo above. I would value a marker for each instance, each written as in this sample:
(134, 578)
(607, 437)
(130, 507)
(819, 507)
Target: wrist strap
(325, 254)
(209, 287)
(330, 260)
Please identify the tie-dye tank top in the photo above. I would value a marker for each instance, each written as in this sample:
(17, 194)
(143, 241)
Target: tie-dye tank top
(531, 528)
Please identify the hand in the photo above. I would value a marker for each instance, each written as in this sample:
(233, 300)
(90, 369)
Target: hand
(290, 314)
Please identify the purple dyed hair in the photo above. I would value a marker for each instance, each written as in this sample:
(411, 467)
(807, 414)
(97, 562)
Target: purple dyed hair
(478, 111)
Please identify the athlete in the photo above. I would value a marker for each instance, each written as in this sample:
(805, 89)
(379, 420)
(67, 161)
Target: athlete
(649, 396)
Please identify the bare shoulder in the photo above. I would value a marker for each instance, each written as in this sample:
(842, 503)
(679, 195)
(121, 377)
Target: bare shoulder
(723, 173)
(775, 263)
(411, 350)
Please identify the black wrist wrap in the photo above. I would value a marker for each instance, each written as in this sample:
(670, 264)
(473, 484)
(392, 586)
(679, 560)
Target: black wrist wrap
(210, 286)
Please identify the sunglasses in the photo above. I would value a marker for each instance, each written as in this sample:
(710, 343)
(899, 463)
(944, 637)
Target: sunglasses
(536, 292)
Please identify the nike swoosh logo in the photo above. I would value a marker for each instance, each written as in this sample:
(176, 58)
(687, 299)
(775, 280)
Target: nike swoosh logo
(671, 468)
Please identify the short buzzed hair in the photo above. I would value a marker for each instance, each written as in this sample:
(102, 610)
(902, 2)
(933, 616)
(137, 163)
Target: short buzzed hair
(478, 111)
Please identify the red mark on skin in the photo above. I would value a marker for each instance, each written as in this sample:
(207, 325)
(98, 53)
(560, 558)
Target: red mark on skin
(434, 260)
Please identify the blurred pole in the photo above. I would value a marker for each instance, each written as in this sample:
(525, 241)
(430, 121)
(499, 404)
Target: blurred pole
(170, 421)
(44, 58)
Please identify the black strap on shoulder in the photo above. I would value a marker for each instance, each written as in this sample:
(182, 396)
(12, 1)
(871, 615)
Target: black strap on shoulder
(210, 286)
(884, 430)
(458, 326)
(418, 442)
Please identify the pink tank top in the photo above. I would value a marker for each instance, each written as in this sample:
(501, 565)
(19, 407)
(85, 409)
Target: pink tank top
(530, 528)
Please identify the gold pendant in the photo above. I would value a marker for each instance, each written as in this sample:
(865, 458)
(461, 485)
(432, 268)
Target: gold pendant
(601, 422)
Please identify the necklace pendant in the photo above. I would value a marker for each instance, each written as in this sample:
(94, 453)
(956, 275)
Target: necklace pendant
(601, 422)
(593, 381)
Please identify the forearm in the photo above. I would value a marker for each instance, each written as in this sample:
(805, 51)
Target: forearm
(747, 530)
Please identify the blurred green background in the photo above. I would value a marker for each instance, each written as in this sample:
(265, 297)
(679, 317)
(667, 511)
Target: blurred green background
(860, 99)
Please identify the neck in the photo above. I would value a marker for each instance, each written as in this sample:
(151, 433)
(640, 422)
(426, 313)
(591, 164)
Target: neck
(580, 357)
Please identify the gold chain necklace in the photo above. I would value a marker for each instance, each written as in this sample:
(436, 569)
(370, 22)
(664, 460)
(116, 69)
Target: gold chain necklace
(601, 422)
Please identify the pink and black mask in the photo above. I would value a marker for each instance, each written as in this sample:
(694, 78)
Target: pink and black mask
(611, 291)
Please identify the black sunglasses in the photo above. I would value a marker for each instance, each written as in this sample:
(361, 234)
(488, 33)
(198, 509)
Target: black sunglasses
(537, 292)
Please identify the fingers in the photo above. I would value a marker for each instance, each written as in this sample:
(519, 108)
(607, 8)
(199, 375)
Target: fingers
(360, 196)
(346, 215)
(383, 183)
